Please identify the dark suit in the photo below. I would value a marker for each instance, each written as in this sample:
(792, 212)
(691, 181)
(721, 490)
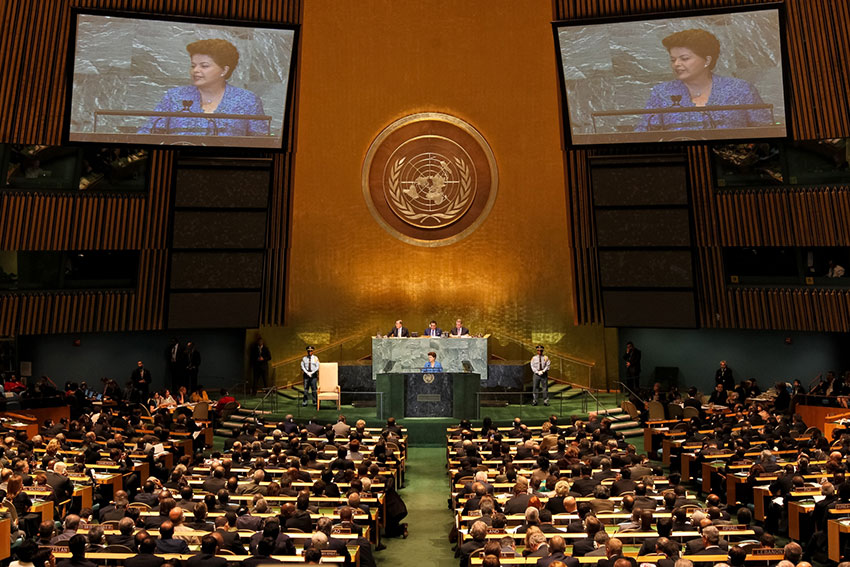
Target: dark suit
(394, 332)
(463, 331)
(141, 379)
(232, 542)
(171, 546)
(300, 521)
(584, 486)
(143, 560)
(206, 560)
(542, 551)
(609, 562)
(582, 547)
(438, 332)
(711, 550)
(517, 504)
(61, 485)
(213, 485)
(260, 367)
(633, 369)
(125, 540)
(724, 376)
(623, 485)
(557, 556)
(256, 560)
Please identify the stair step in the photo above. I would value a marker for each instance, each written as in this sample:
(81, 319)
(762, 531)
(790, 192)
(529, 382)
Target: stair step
(632, 432)
(611, 411)
(625, 425)
(251, 412)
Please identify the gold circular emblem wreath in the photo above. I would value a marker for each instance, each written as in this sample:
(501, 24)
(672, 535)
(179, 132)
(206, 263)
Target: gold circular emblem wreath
(429, 179)
(428, 378)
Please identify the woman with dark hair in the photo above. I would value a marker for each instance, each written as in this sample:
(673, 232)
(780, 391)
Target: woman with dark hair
(212, 62)
(693, 56)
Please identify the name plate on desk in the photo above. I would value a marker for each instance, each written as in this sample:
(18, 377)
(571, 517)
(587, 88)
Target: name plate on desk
(429, 398)
(768, 551)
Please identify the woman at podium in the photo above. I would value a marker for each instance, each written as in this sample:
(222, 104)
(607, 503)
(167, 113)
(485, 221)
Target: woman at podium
(433, 365)
(693, 56)
(212, 62)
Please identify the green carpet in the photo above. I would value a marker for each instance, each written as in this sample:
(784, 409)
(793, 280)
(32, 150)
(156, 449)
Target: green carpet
(428, 517)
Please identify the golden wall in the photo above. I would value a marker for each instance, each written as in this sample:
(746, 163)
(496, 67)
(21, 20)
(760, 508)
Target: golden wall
(362, 66)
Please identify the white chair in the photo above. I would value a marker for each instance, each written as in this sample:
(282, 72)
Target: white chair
(328, 388)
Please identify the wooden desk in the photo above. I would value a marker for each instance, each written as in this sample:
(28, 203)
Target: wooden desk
(5, 537)
(834, 529)
(795, 511)
(45, 509)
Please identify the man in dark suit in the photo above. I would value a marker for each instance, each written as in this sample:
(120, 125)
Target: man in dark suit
(260, 357)
(537, 546)
(207, 557)
(584, 485)
(399, 330)
(614, 553)
(478, 538)
(519, 501)
(296, 518)
(724, 376)
(225, 527)
(265, 548)
(694, 546)
(819, 514)
(433, 330)
(77, 547)
(126, 527)
(324, 525)
(193, 365)
(632, 358)
(145, 557)
(582, 547)
(58, 480)
(711, 542)
(114, 511)
(166, 542)
(459, 330)
(624, 483)
(175, 363)
(557, 547)
(141, 379)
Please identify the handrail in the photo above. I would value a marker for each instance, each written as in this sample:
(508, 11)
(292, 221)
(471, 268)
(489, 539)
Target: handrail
(629, 390)
(579, 361)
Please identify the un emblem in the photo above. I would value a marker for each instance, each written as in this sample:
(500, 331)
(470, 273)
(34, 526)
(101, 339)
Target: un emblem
(430, 179)
(428, 378)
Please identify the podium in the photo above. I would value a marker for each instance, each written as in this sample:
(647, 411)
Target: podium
(441, 394)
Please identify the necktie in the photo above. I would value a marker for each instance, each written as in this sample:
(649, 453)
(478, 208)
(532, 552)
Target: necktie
(540, 356)
(309, 363)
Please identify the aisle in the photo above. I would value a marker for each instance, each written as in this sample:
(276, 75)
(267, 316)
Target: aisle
(428, 517)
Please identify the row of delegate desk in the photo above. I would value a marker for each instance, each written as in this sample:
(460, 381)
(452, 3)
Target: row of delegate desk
(800, 505)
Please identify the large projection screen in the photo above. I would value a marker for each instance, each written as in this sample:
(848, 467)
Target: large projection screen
(136, 82)
(715, 76)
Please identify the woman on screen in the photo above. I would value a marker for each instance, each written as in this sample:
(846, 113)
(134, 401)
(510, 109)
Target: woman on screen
(432, 365)
(693, 57)
(212, 64)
